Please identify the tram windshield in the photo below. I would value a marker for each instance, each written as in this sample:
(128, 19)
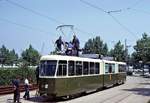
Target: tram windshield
(47, 68)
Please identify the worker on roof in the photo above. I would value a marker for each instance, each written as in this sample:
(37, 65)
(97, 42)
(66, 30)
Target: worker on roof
(76, 44)
(59, 44)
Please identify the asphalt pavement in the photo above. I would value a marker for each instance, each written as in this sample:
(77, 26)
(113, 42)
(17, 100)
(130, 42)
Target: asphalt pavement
(135, 90)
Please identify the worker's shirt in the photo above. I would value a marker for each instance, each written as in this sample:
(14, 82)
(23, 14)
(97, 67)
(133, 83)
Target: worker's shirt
(26, 82)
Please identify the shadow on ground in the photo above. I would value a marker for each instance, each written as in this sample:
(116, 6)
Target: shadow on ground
(40, 99)
(43, 99)
(140, 91)
(144, 83)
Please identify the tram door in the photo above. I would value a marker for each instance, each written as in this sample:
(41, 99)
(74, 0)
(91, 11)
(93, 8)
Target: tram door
(109, 76)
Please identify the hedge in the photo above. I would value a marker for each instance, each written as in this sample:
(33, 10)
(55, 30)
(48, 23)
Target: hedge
(8, 74)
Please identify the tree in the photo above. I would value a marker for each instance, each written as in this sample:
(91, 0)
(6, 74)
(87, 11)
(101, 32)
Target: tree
(8, 57)
(13, 57)
(30, 56)
(88, 47)
(96, 46)
(142, 49)
(4, 52)
(118, 52)
(105, 50)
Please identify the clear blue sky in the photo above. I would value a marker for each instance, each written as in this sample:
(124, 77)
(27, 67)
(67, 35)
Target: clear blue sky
(82, 16)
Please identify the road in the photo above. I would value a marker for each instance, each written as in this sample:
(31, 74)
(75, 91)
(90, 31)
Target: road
(135, 90)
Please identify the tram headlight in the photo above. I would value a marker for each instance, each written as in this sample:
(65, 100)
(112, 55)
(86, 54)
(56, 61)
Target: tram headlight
(46, 86)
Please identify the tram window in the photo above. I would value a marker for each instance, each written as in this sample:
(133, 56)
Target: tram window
(78, 68)
(122, 68)
(42, 69)
(110, 68)
(113, 68)
(59, 71)
(97, 68)
(64, 69)
(85, 68)
(106, 68)
(92, 68)
(62, 66)
(47, 68)
(71, 70)
(62, 62)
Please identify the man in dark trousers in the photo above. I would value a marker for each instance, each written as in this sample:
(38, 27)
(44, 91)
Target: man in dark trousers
(76, 44)
(16, 90)
(59, 43)
(26, 95)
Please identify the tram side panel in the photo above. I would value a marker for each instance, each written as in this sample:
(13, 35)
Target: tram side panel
(110, 79)
(74, 85)
(121, 73)
(47, 86)
(121, 77)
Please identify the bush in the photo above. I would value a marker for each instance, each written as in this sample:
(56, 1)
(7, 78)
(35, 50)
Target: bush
(8, 74)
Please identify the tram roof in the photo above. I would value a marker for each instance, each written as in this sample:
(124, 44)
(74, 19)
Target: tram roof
(74, 58)
(64, 57)
(107, 61)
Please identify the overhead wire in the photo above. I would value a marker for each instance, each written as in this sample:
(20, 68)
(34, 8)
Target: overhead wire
(139, 10)
(27, 27)
(127, 8)
(108, 13)
(132, 7)
(92, 5)
(33, 11)
(123, 26)
(135, 4)
(83, 1)
(24, 26)
(42, 15)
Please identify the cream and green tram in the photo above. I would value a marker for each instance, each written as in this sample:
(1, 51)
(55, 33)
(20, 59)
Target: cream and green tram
(67, 75)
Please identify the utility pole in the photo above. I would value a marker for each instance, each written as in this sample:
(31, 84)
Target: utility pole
(126, 53)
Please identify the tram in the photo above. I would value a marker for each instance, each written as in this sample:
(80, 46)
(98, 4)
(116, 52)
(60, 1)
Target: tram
(61, 75)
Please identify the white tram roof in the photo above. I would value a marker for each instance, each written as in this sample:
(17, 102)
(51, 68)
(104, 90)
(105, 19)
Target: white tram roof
(107, 61)
(74, 58)
(64, 57)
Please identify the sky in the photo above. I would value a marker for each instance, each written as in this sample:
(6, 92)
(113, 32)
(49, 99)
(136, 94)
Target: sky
(25, 22)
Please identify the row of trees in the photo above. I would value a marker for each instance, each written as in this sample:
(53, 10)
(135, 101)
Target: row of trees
(97, 46)
(8, 57)
(141, 50)
(30, 56)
